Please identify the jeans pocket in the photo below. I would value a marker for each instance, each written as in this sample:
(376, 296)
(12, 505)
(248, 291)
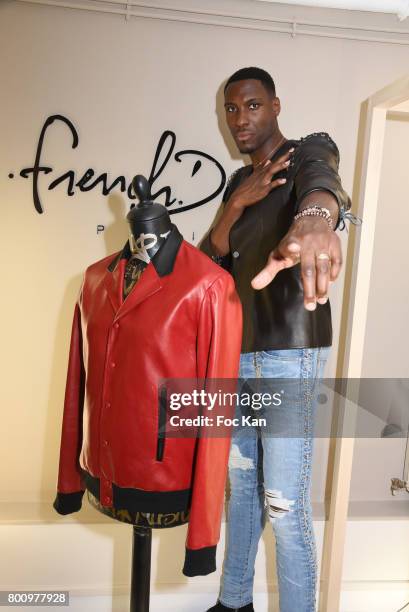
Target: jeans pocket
(282, 364)
(283, 354)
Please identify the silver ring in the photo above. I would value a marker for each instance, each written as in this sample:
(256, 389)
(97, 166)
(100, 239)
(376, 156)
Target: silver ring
(323, 256)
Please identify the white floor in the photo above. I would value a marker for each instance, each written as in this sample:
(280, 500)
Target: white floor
(355, 598)
(352, 601)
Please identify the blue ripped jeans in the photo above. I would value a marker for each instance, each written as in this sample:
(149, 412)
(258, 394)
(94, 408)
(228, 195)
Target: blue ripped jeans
(271, 476)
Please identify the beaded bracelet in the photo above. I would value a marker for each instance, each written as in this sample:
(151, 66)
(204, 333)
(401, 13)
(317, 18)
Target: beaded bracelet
(316, 211)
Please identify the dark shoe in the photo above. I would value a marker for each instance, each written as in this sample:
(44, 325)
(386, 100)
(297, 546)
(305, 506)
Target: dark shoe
(219, 607)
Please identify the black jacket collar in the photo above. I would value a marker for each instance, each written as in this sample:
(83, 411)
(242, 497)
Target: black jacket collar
(163, 261)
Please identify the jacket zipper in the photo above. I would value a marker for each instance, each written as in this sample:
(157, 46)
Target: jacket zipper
(160, 447)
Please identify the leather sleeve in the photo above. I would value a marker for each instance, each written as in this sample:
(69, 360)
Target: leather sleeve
(218, 355)
(222, 260)
(316, 162)
(206, 245)
(70, 488)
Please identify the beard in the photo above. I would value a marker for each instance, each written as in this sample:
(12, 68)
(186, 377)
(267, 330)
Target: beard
(256, 143)
(245, 147)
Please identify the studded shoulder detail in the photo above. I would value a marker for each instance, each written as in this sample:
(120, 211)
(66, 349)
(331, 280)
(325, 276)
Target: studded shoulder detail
(314, 134)
(319, 137)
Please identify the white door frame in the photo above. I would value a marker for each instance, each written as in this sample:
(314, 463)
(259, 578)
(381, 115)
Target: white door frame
(353, 323)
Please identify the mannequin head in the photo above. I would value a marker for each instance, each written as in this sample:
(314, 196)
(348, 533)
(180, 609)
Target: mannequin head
(149, 223)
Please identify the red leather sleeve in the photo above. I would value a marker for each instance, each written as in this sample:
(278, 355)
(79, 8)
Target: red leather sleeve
(218, 348)
(69, 475)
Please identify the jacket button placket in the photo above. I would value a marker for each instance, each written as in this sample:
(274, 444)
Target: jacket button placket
(110, 365)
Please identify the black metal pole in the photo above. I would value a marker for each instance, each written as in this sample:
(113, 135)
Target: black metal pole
(141, 569)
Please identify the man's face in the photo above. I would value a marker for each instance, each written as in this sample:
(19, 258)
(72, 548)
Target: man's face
(251, 114)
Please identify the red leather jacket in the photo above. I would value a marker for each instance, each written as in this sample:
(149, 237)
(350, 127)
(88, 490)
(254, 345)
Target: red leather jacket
(181, 320)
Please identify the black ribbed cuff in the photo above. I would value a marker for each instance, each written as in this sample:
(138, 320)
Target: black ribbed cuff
(200, 562)
(66, 503)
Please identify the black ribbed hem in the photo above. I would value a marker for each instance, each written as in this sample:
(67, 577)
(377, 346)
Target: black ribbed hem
(66, 503)
(200, 562)
(138, 500)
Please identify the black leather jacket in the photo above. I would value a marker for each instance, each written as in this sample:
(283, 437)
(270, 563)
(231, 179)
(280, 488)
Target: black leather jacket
(275, 317)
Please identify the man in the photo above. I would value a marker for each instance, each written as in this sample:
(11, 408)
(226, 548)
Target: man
(276, 236)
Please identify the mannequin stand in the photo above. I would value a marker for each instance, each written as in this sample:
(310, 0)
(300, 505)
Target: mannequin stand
(141, 569)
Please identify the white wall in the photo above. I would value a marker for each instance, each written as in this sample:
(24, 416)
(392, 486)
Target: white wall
(387, 333)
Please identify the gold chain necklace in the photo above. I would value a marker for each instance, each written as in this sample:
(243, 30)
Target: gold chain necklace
(271, 153)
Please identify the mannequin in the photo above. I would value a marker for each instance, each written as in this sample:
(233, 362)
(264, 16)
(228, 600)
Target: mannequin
(157, 310)
(149, 227)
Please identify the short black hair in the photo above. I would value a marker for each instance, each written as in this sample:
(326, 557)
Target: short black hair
(253, 73)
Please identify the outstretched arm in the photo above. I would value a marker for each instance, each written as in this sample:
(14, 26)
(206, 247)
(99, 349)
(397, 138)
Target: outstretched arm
(310, 240)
